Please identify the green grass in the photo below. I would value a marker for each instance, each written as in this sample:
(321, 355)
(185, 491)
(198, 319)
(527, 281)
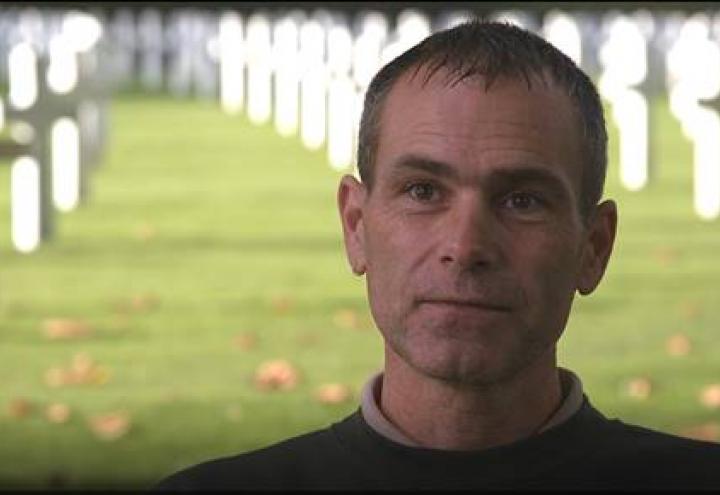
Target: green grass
(235, 219)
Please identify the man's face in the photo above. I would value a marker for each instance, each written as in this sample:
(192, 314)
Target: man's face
(471, 237)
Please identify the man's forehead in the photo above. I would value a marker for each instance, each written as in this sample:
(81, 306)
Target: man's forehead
(460, 123)
(444, 95)
(468, 111)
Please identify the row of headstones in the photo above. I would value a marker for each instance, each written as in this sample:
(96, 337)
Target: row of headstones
(308, 73)
(55, 111)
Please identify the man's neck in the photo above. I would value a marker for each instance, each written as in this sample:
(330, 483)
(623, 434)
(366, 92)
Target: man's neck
(441, 415)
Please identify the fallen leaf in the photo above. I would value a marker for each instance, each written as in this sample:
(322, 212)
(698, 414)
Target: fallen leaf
(277, 374)
(710, 396)
(111, 426)
(245, 341)
(333, 393)
(639, 388)
(82, 370)
(82, 363)
(346, 318)
(678, 345)
(709, 432)
(19, 408)
(57, 413)
(65, 328)
(281, 304)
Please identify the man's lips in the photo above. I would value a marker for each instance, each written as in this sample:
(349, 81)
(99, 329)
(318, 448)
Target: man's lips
(467, 303)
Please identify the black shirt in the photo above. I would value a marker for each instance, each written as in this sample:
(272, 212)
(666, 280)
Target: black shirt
(585, 452)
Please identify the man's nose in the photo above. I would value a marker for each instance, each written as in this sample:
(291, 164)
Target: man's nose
(470, 236)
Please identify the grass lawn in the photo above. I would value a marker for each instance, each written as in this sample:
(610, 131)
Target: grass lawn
(208, 246)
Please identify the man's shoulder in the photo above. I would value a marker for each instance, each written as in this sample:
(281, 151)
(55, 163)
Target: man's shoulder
(639, 454)
(281, 464)
(639, 438)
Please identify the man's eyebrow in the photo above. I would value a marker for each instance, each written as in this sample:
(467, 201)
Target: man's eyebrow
(526, 173)
(425, 164)
(511, 174)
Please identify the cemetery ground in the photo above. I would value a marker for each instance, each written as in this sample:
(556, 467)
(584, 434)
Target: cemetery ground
(132, 345)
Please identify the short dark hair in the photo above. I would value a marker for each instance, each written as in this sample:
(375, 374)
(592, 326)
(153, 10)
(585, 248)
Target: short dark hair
(492, 50)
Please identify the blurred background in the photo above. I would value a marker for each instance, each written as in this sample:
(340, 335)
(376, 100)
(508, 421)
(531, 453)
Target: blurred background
(173, 285)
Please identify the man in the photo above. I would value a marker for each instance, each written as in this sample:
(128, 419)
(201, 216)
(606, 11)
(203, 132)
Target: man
(482, 159)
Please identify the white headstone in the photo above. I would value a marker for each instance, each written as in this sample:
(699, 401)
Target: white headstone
(232, 62)
(374, 24)
(25, 210)
(624, 60)
(694, 74)
(65, 159)
(259, 68)
(411, 28)
(81, 30)
(286, 34)
(22, 70)
(367, 48)
(341, 98)
(62, 73)
(561, 30)
(691, 74)
(313, 84)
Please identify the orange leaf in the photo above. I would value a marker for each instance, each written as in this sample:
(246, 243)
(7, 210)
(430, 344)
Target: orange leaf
(19, 407)
(333, 393)
(639, 388)
(277, 374)
(110, 426)
(281, 304)
(710, 396)
(678, 345)
(57, 413)
(65, 328)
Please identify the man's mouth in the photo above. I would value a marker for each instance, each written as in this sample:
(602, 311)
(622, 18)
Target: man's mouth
(480, 304)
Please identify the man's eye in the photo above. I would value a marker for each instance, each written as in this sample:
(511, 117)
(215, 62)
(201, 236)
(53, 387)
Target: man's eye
(422, 191)
(521, 201)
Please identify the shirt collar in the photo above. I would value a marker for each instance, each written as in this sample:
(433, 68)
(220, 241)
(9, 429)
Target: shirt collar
(369, 406)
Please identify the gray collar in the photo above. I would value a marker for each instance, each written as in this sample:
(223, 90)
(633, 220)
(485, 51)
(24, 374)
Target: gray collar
(572, 400)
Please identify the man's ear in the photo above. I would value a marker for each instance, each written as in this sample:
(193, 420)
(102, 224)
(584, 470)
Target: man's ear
(598, 247)
(351, 197)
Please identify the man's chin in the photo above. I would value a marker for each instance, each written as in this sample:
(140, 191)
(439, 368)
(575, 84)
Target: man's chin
(459, 363)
